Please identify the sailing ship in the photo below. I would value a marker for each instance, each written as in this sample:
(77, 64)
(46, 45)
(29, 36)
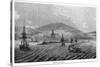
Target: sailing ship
(24, 44)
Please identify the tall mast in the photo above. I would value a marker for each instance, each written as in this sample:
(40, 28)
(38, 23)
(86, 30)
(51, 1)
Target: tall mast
(24, 33)
(24, 37)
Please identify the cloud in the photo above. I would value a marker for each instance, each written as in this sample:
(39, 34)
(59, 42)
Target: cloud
(82, 18)
(29, 22)
(85, 25)
(17, 16)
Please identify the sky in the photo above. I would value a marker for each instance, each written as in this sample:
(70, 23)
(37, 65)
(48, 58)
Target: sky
(35, 15)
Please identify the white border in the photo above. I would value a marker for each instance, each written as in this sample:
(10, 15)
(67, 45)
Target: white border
(56, 3)
(47, 62)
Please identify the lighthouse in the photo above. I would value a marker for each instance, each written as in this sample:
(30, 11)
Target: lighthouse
(52, 33)
(62, 41)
